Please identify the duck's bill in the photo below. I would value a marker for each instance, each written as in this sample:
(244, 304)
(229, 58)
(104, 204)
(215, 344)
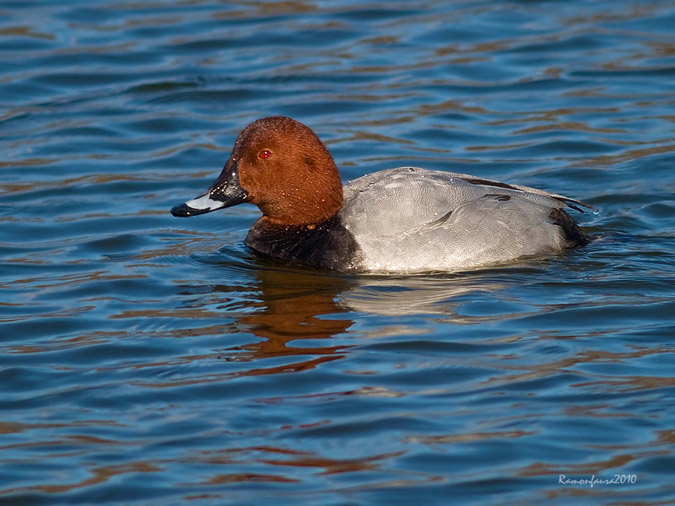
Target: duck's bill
(225, 192)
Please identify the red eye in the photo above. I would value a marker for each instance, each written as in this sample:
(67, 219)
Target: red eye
(265, 153)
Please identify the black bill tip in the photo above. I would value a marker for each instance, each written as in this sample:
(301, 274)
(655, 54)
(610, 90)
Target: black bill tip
(184, 211)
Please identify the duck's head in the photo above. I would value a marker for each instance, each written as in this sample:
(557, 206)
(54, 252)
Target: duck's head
(281, 166)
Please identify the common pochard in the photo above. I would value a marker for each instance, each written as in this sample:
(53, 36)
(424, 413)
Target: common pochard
(400, 220)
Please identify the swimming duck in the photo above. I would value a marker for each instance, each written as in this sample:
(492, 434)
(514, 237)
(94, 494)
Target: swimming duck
(401, 220)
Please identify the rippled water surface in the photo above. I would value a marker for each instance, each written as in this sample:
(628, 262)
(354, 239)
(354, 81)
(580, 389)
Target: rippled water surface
(151, 360)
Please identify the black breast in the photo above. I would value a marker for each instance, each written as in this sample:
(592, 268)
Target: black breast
(327, 245)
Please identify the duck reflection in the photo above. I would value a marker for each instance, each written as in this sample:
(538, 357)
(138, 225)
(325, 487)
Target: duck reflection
(296, 306)
(306, 317)
(437, 295)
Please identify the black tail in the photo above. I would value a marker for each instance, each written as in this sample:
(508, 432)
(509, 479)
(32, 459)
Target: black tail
(574, 236)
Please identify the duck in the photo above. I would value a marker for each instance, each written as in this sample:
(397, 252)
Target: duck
(402, 220)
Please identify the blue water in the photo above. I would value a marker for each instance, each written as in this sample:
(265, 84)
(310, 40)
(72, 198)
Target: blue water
(150, 360)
